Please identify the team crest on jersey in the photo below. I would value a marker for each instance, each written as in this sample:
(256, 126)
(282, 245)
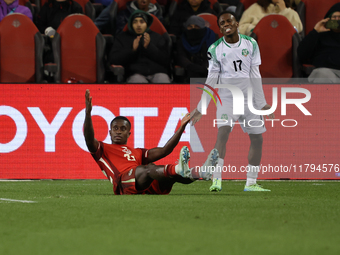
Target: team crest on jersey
(224, 117)
(245, 52)
(223, 54)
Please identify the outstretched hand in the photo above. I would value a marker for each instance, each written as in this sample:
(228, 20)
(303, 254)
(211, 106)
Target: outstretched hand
(195, 117)
(185, 120)
(88, 101)
(267, 107)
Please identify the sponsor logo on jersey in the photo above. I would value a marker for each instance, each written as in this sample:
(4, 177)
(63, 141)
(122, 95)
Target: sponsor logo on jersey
(130, 172)
(245, 52)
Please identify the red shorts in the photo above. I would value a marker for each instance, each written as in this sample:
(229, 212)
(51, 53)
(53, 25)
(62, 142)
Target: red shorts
(127, 186)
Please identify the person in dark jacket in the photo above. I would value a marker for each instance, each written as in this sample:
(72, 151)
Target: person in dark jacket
(143, 53)
(102, 21)
(321, 48)
(54, 12)
(186, 9)
(193, 46)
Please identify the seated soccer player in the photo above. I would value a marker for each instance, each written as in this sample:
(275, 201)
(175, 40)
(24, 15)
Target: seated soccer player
(143, 53)
(129, 169)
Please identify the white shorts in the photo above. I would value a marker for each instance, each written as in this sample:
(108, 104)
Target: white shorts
(249, 122)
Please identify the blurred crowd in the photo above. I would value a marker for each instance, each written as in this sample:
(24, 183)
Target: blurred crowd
(166, 41)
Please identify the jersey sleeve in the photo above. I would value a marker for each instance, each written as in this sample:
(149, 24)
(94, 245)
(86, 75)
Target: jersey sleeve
(213, 75)
(145, 154)
(256, 56)
(256, 83)
(98, 154)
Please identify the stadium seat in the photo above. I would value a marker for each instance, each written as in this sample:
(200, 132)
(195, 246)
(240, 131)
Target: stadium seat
(312, 11)
(78, 49)
(242, 6)
(211, 22)
(21, 50)
(278, 42)
(157, 27)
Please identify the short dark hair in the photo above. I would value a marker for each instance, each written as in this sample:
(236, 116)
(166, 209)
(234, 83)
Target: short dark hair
(225, 12)
(121, 118)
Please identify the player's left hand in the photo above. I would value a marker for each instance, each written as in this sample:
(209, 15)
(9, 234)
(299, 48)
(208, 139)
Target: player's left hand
(267, 107)
(185, 120)
(146, 40)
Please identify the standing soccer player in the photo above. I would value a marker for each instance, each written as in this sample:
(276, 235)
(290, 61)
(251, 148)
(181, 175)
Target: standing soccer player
(129, 169)
(234, 59)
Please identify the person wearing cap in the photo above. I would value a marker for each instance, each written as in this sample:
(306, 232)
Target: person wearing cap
(192, 47)
(321, 48)
(12, 6)
(143, 53)
(186, 9)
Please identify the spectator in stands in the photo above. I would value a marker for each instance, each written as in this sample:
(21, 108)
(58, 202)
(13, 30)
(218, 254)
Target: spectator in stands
(104, 2)
(102, 22)
(53, 12)
(143, 53)
(192, 48)
(261, 8)
(321, 48)
(186, 9)
(12, 6)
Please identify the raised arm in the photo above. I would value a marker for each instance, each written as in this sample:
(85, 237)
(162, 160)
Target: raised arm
(91, 141)
(161, 152)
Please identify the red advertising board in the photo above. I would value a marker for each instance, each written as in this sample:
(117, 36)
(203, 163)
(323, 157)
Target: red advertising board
(41, 134)
(41, 126)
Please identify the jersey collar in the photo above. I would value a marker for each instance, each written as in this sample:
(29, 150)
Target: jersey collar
(239, 41)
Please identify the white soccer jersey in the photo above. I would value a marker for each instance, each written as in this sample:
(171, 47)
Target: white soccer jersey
(234, 64)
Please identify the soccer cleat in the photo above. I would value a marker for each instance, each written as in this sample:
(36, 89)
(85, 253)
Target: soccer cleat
(184, 157)
(255, 187)
(210, 165)
(216, 186)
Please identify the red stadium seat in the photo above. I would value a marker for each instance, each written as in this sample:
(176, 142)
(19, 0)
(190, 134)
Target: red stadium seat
(278, 42)
(21, 50)
(312, 11)
(78, 48)
(212, 22)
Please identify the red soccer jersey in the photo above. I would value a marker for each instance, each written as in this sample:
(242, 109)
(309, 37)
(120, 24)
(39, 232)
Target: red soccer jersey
(115, 159)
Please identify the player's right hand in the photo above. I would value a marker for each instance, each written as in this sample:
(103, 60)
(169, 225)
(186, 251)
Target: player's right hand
(88, 101)
(195, 116)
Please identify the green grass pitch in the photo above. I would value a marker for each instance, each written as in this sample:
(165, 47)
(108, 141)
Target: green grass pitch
(84, 217)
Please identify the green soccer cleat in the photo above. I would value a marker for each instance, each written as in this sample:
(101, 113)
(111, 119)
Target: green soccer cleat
(216, 186)
(255, 187)
(209, 165)
(184, 157)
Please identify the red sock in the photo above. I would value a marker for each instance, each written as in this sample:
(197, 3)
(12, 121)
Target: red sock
(169, 170)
